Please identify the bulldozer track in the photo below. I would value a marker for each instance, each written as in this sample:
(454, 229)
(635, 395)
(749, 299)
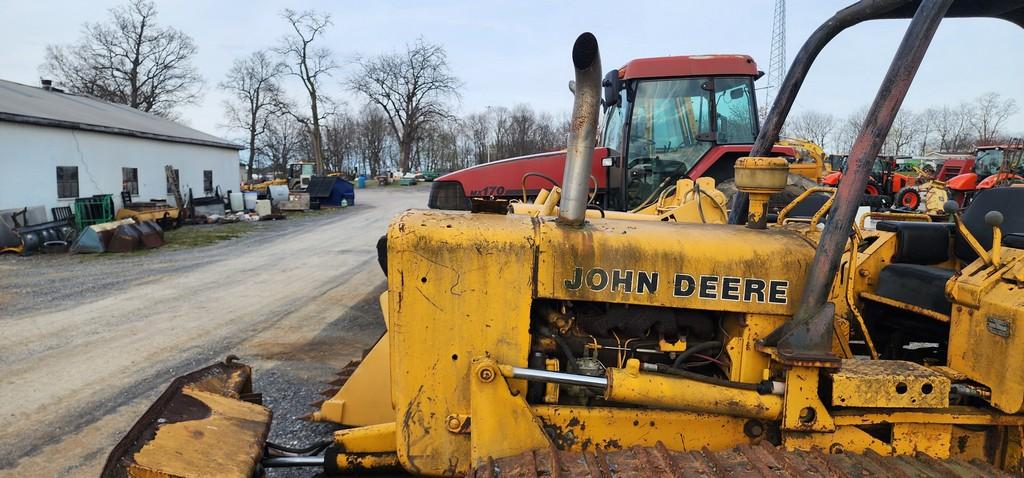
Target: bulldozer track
(762, 460)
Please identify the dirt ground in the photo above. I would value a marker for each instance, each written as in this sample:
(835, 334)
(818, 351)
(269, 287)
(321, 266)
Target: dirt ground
(89, 342)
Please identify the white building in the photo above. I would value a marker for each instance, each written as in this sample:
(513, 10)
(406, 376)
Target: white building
(55, 147)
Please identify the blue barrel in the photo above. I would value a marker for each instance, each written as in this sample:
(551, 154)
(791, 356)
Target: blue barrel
(361, 182)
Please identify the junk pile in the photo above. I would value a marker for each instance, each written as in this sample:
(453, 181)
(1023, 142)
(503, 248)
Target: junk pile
(50, 236)
(230, 217)
(160, 212)
(136, 227)
(123, 235)
(321, 191)
(93, 210)
(244, 206)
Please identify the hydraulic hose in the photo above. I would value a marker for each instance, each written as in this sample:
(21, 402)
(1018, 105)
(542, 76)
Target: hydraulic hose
(693, 350)
(307, 450)
(293, 461)
(570, 358)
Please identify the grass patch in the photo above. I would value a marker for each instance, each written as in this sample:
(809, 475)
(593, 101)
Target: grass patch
(205, 234)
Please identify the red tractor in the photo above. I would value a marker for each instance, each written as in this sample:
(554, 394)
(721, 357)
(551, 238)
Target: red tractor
(995, 165)
(664, 119)
(952, 167)
(886, 188)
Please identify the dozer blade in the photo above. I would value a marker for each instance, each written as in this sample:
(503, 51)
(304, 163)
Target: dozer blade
(745, 460)
(363, 393)
(199, 427)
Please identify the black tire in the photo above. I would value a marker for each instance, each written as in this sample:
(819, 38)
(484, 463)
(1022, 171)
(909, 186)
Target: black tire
(908, 199)
(795, 186)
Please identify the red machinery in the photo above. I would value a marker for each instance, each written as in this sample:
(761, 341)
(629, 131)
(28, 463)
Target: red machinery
(885, 186)
(995, 165)
(952, 167)
(665, 118)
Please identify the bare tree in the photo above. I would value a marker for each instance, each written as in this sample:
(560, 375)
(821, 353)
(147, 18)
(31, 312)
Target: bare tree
(130, 60)
(950, 126)
(990, 112)
(907, 129)
(311, 64)
(281, 143)
(412, 88)
(522, 131)
(255, 97)
(339, 142)
(846, 133)
(812, 125)
(437, 146)
(372, 139)
(478, 129)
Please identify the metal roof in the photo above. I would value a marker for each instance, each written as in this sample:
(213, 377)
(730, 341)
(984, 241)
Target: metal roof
(31, 105)
(691, 65)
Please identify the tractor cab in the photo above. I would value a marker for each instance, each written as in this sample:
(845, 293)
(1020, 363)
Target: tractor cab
(993, 166)
(299, 175)
(667, 117)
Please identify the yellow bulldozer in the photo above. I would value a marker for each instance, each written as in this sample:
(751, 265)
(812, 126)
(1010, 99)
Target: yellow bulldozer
(776, 345)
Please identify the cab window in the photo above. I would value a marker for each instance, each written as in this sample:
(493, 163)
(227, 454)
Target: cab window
(737, 118)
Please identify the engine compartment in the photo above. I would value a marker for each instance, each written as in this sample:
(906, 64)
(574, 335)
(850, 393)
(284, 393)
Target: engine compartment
(589, 337)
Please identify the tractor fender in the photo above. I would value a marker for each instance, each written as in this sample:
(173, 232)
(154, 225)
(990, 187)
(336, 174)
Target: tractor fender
(991, 181)
(963, 182)
(832, 179)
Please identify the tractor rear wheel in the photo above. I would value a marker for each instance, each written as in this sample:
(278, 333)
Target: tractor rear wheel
(795, 186)
(908, 198)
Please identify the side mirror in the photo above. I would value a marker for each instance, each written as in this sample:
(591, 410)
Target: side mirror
(572, 86)
(612, 86)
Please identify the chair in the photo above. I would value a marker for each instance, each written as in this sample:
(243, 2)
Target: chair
(913, 278)
(63, 213)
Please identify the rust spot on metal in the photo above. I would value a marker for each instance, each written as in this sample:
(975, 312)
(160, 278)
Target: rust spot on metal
(744, 460)
(961, 443)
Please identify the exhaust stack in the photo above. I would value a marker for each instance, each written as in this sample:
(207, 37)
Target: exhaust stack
(586, 59)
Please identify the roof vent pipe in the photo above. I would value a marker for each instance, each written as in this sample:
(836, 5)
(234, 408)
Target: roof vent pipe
(586, 59)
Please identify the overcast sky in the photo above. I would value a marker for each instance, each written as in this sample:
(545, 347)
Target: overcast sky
(511, 52)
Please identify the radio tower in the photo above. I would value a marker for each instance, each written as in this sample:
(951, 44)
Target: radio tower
(777, 63)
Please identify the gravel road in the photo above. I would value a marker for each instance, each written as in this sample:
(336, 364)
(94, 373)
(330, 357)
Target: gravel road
(89, 342)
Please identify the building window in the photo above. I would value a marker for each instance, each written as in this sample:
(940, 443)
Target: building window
(67, 182)
(208, 182)
(177, 180)
(130, 180)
